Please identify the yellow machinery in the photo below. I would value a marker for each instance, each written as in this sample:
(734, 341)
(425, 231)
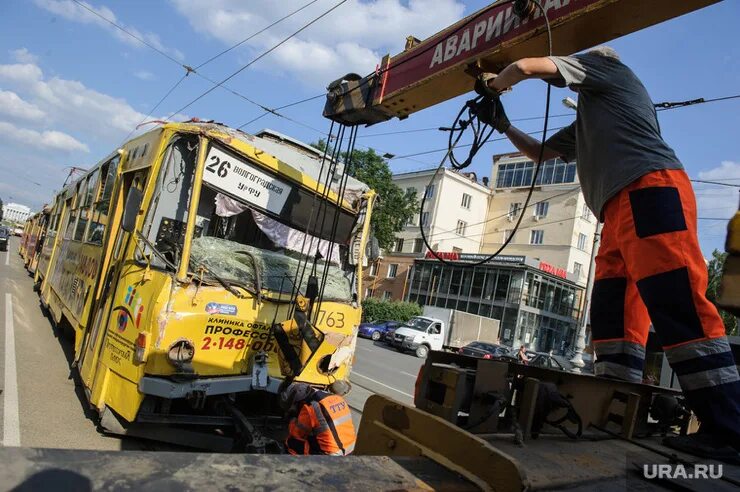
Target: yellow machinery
(199, 267)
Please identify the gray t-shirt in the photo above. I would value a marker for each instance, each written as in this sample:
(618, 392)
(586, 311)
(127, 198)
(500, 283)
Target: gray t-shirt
(615, 137)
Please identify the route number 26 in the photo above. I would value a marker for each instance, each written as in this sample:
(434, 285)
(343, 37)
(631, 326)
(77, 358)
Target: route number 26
(221, 168)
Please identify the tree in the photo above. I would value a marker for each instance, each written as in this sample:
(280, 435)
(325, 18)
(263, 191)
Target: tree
(715, 267)
(394, 207)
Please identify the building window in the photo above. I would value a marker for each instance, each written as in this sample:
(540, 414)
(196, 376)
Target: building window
(507, 233)
(460, 229)
(429, 192)
(586, 213)
(540, 209)
(514, 209)
(465, 201)
(367, 292)
(418, 245)
(387, 295)
(392, 270)
(455, 249)
(398, 247)
(374, 269)
(582, 241)
(518, 174)
(577, 269)
(413, 220)
(536, 236)
(425, 218)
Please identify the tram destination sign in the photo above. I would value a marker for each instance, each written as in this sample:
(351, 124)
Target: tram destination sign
(245, 181)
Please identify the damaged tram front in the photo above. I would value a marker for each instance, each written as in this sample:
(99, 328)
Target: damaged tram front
(227, 263)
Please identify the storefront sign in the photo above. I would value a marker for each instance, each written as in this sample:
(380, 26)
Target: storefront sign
(245, 181)
(469, 257)
(560, 272)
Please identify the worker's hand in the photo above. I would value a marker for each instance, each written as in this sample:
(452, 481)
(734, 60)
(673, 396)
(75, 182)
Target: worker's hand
(491, 112)
(482, 85)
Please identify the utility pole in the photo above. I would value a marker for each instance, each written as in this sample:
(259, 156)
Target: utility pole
(577, 359)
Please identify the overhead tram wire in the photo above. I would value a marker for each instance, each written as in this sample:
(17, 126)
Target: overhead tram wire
(566, 192)
(273, 24)
(405, 156)
(259, 57)
(682, 104)
(491, 219)
(188, 69)
(418, 130)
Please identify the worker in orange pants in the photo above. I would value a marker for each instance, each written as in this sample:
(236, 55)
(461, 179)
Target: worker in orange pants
(649, 266)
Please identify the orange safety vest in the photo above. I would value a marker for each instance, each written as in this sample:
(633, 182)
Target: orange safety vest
(323, 426)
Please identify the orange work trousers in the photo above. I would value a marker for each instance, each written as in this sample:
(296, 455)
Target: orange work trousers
(650, 268)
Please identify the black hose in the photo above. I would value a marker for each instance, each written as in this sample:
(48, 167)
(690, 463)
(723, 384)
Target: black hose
(478, 142)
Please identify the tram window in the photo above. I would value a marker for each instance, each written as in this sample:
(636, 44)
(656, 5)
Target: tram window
(102, 203)
(171, 199)
(87, 191)
(74, 213)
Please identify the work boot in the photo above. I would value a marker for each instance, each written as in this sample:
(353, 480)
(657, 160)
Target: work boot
(706, 446)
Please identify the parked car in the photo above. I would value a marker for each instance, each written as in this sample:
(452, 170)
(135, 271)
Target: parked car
(375, 330)
(547, 361)
(4, 236)
(18, 231)
(485, 350)
(390, 334)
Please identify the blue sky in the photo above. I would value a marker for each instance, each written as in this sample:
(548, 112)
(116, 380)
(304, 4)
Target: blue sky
(69, 77)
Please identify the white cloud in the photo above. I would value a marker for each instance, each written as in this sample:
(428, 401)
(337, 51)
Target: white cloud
(144, 75)
(22, 55)
(76, 13)
(47, 140)
(353, 38)
(12, 105)
(72, 105)
(21, 74)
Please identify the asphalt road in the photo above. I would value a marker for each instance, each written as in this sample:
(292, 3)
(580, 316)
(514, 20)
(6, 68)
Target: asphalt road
(43, 403)
(383, 370)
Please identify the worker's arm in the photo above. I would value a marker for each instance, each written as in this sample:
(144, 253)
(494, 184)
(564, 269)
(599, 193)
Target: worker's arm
(529, 145)
(526, 68)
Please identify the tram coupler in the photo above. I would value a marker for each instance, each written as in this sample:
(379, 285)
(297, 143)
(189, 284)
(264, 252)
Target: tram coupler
(248, 439)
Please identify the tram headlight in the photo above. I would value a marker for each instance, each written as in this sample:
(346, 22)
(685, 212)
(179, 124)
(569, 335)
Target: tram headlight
(181, 352)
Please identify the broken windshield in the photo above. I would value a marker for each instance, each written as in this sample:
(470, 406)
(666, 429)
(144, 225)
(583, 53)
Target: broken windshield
(240, 244)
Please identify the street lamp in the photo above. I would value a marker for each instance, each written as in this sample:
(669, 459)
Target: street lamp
(577, 359)
(570, 103)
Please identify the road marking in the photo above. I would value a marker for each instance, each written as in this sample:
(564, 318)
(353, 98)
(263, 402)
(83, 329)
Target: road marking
(7, 258)
(409, 374)
(11, 422)
(355, 373)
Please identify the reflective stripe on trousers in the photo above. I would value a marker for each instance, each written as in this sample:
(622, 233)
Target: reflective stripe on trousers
(703, 364)
(620, 359)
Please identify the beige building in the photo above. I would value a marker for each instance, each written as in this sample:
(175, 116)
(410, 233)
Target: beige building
(557, 228)
(454, 219)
